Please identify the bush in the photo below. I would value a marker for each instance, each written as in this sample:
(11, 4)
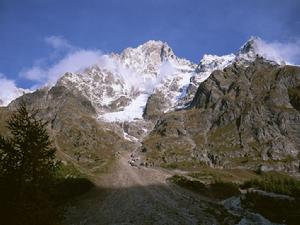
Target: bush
(217, 190)
(223, 190)
(276, 210)
(276, 183)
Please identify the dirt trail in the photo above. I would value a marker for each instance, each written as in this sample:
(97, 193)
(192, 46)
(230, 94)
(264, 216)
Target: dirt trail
(141, 196)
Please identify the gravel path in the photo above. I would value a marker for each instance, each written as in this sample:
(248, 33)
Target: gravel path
(141, 196)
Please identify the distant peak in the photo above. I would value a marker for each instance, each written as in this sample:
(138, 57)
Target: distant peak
(251, 46)
(151, 45)
(153, 42)
(151, 49)
(255, 47)
(154, 45)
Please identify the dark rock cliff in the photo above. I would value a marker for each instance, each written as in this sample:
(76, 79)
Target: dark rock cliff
(240, 117)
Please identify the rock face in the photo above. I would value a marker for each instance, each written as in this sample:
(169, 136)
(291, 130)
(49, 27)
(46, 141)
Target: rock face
(243, 116)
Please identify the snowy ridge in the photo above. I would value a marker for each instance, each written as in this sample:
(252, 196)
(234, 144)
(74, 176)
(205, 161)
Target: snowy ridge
(119, 85)
(210, 63)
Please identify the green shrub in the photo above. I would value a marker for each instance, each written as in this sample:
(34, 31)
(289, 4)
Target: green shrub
(223, 190)
(276, 183)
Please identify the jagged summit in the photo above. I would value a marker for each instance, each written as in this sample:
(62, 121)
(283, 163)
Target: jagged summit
(155, 46)
(152, 43)
(256, 47)
(162, 48)
(249, 51)
(150, 48)
(251, 46)
(148, 57)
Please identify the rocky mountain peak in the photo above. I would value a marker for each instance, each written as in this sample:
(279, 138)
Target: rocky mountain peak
(251, 46)
(256, 47)
(148, 57)
(149, 48)
(157, 47)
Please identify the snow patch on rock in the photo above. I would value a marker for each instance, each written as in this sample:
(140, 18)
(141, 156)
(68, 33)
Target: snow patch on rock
(131, 112)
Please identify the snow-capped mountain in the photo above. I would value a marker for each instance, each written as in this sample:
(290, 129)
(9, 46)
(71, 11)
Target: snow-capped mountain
(252, 49)
(119, 85)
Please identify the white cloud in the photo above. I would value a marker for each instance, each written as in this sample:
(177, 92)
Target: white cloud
(140, 82)
(165, 69)
(35, 73)
(133, 81)
(280, 51)
(58, 42)
(73, 62)
(8, 90)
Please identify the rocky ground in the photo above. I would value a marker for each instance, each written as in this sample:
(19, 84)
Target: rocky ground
(132, 194)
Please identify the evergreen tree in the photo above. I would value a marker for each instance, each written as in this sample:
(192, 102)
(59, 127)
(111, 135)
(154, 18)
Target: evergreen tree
(26, 170)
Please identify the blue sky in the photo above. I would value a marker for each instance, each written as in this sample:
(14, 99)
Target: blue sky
(37, 34)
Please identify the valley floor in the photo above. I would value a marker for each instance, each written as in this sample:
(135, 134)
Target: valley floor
(141, 196)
